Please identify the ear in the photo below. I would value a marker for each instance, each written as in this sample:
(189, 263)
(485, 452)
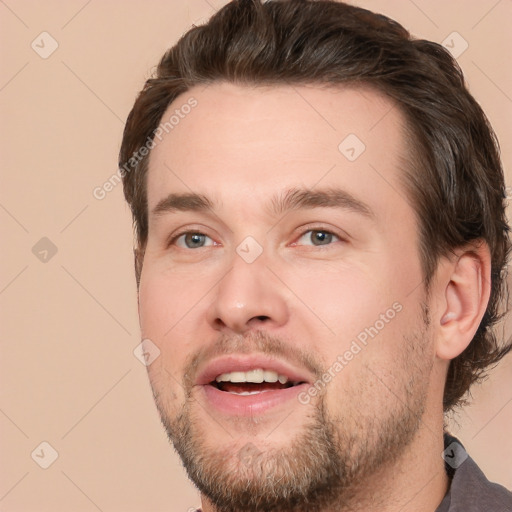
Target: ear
(466, 288)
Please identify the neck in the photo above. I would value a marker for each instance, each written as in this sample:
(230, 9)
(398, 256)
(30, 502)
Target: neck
(416, 482)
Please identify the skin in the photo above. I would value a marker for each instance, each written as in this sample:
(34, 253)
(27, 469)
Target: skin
(240, 146)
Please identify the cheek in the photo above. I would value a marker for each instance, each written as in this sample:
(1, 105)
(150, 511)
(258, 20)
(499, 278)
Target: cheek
(160, 310)
(388, 354)
(156, 307)
(350, 318)
(341, 301)
(167, 301)
(163, 320)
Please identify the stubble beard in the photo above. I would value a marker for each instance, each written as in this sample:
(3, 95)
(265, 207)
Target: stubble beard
(325, 466)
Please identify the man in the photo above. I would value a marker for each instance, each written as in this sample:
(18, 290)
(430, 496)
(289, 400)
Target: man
(320, 227)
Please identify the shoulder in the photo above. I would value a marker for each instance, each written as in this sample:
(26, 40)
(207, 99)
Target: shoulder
(476, 489)
(471, 491)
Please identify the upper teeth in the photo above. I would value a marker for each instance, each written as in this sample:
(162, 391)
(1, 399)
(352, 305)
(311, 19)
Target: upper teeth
(256, 376)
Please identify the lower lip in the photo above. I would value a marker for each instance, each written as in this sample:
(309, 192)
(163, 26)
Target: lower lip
(249, 405)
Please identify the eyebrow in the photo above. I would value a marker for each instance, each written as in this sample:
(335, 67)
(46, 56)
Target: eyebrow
(298, 198)
(182, 203)
(293, 199)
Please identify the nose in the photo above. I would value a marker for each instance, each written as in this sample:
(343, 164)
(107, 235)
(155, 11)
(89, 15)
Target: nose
(248, 297)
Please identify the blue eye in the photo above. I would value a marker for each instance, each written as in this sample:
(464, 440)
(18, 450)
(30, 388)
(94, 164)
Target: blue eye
(192, 240)
(312, 237)
(317, 237)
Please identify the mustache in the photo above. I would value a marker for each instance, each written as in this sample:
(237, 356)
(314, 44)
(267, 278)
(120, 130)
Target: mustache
(252, 342)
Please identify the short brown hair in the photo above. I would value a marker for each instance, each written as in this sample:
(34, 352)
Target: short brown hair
(455, 184)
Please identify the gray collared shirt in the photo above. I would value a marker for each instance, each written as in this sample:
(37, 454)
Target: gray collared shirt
(470, 491)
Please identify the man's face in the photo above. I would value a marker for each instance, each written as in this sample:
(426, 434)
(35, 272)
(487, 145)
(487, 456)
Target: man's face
(297, 261)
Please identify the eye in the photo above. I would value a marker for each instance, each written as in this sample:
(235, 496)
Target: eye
(192, 240)
(317, 237)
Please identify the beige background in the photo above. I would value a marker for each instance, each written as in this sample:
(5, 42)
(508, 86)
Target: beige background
(69, 324)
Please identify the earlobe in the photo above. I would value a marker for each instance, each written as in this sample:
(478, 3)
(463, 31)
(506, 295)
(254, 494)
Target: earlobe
(466, 295)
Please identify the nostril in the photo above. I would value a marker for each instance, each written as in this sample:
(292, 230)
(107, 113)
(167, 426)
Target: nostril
(219, 323)
(262, 318)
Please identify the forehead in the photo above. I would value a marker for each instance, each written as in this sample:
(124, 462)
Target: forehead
(245, 143)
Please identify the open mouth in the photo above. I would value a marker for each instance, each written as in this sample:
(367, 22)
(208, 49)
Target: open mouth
(252, 382)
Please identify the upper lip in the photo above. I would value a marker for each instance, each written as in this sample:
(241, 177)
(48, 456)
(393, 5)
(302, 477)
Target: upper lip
(245, 362)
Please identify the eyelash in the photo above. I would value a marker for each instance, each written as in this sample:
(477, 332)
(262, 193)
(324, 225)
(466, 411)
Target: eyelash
(317, 229)
(320, 230)
(173, 239)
